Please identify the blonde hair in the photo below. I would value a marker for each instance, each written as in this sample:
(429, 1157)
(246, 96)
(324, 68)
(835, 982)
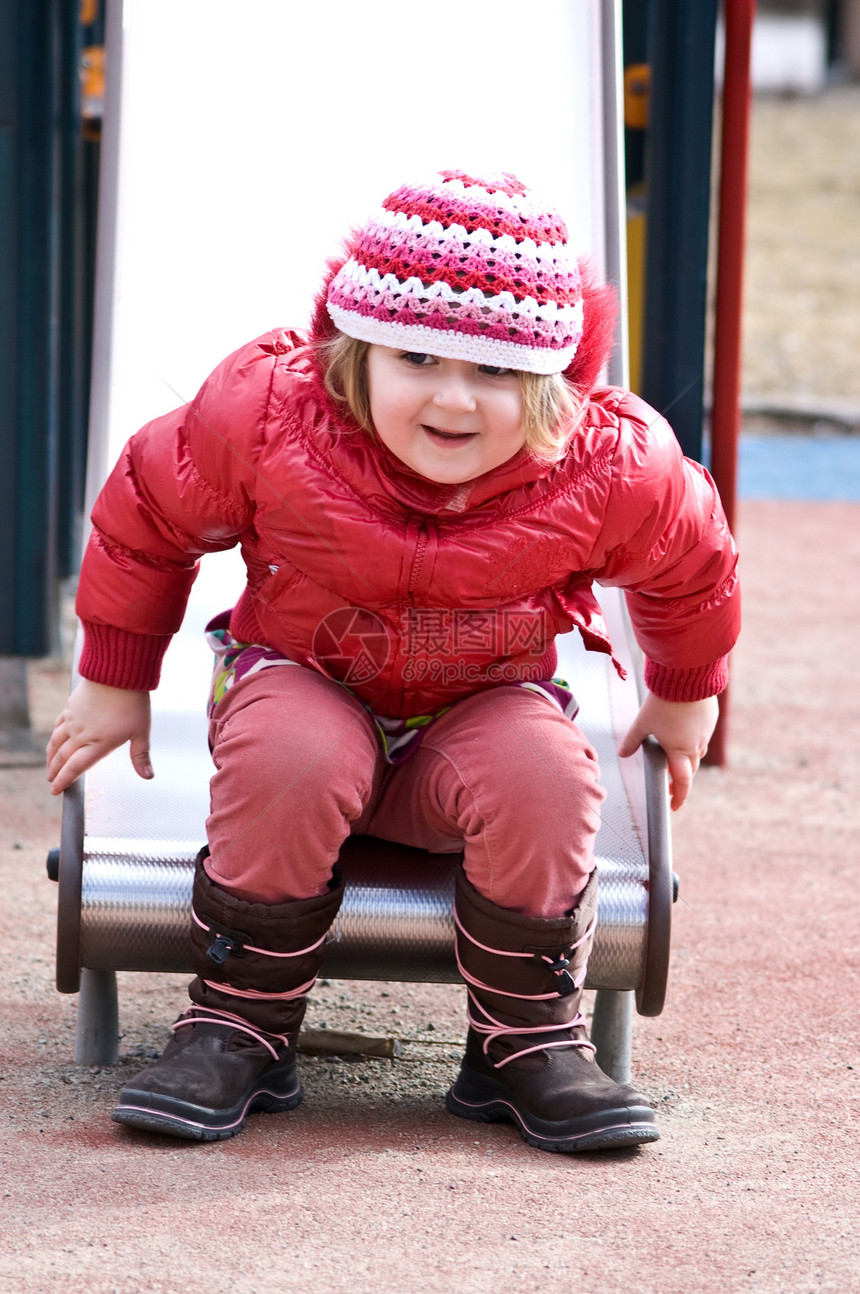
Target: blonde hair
(551, 406)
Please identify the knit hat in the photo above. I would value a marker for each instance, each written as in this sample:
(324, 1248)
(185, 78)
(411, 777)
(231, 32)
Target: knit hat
(464, 268)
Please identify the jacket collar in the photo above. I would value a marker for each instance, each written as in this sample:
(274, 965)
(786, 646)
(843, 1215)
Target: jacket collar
(417, 493)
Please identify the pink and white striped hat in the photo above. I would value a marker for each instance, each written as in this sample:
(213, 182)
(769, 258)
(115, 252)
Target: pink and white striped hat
(464, 268)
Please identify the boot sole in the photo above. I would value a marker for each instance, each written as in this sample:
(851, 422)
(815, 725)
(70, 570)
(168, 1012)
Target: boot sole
(174, 1118)
(484, 1100)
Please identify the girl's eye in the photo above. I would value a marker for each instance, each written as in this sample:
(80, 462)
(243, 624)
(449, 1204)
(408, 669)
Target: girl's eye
(417, 357)
(493, 370)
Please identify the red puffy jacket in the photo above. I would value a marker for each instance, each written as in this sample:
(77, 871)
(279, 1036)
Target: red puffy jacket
(413, 593)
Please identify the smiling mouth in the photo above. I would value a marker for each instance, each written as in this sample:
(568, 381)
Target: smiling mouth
(441, 437)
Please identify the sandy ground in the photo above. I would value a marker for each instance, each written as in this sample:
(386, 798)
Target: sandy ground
(753, 1065)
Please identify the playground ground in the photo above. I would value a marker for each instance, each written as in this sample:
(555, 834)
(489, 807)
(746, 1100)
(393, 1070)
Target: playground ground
(754, 1065)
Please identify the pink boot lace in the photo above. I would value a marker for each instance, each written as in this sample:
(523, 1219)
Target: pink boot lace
(491, 1028)
(212, 1015)
(289, 996)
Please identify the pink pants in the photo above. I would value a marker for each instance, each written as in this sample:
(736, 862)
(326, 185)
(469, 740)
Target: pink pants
(503, 776)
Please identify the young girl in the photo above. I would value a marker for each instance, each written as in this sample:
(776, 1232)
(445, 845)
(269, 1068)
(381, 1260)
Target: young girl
(424, 491)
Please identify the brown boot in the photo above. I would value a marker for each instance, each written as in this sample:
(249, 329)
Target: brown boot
(235, 1049)
(528, 1057)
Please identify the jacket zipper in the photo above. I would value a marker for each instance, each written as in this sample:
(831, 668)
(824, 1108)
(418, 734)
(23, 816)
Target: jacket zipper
(418, 558)
(422, 535)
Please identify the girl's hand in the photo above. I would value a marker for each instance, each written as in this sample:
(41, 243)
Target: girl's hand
(96, 720)
(683, 729)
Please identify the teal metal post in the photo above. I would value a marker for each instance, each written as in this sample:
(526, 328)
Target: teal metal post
(28, 340)
(46, 212)
(678, 169)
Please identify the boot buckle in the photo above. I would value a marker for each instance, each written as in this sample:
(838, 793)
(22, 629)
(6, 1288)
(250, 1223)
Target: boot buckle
(558, 964)
(226, 943)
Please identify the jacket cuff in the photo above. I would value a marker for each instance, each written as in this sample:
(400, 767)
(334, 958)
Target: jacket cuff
(695, 684)
(118, 658)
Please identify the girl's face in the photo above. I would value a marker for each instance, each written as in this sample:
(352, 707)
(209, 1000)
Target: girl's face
(448, 419)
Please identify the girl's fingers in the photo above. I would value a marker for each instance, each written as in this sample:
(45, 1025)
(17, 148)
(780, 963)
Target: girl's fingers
(71, 767)
(68, 761)
(140, 757)
(56, 754)
(681, 772)
(62, 777)
(58, 736)
(631, 742)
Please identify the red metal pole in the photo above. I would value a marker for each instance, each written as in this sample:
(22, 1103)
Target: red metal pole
(725, 422)
(725, 417)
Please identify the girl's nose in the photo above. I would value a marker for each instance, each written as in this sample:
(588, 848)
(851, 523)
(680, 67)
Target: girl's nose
(454, 391)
